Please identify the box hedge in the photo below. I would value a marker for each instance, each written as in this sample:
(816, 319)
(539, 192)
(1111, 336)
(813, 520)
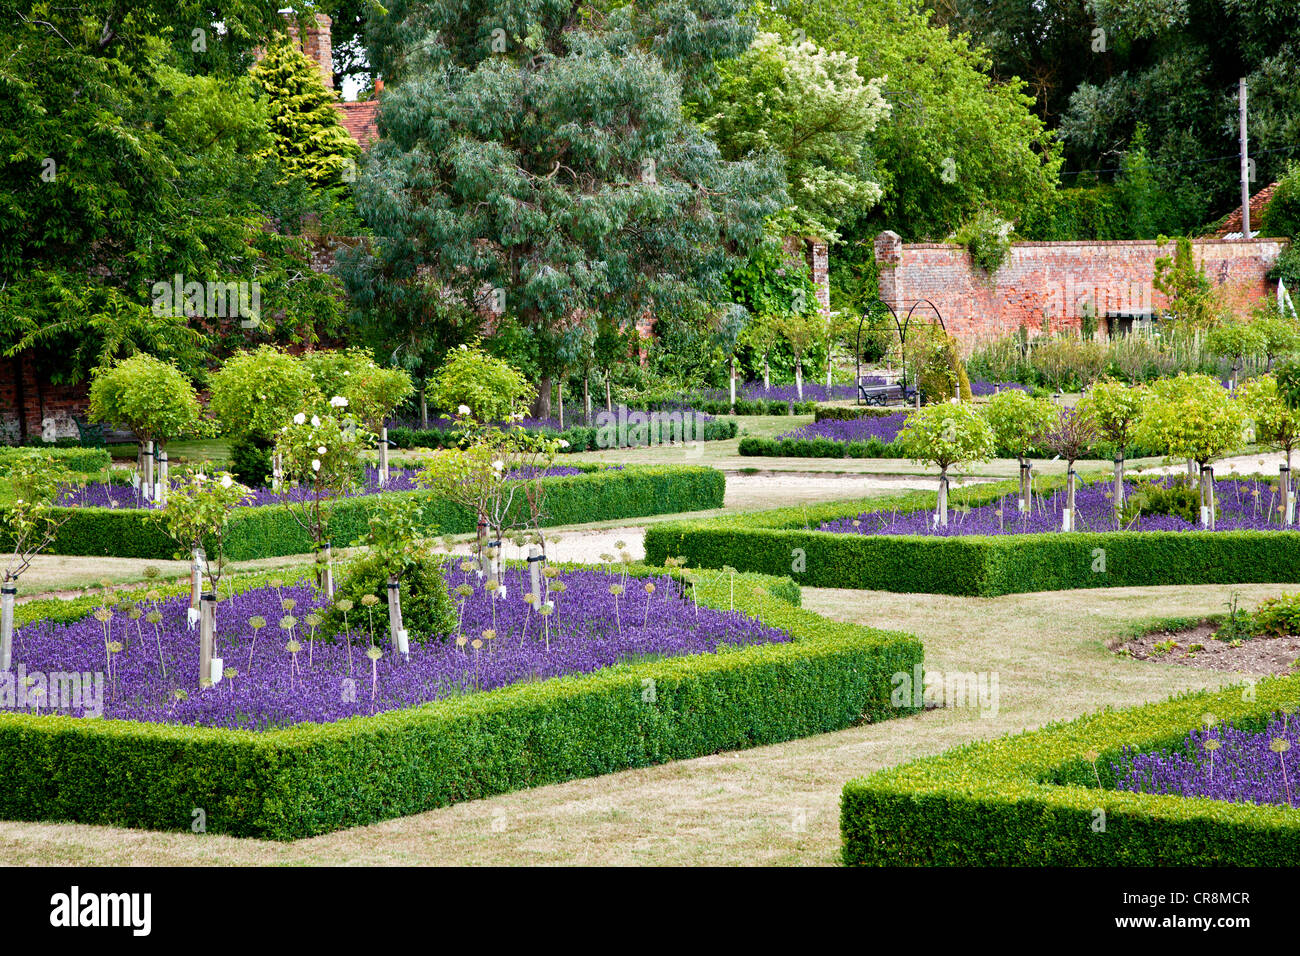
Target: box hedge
(1036, 799)
(785, 541)
(79, 460)
(579, 437)
(272, 531)
(314, 778)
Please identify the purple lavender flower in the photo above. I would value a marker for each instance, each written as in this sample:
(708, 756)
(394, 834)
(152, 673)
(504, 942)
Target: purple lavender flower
(580, 634)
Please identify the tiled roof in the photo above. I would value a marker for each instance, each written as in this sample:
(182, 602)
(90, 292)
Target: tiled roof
(360, 120)
(1230, 228)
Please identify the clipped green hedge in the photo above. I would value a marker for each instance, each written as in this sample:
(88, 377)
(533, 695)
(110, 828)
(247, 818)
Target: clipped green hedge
(1034, 799)
(784, 541)
(80, 460)
(315, 778)
(846, 413)
(272, 531)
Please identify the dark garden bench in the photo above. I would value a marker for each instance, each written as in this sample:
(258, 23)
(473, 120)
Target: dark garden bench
(884, 394)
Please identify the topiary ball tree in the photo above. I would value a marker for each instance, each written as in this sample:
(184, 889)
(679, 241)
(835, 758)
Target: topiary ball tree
(943, 436)
(1018, 422)
(490, 388)
(1193, 417)
(1114, 408)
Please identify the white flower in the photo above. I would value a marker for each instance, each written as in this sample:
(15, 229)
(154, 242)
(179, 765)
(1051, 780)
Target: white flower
(462, 348)
(320, 449)
(338, 401)
(347, 373)
(315, 421)
(226, 481)
(563, 443)
(498, 465)
(464, 409)
(315, 464)
(299, 418)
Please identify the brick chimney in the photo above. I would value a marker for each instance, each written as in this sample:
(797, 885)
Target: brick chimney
(317, 46)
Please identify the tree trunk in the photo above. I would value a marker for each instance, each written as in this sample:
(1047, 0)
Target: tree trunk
(383, 456)
(1067, 516)
(395, 613)
(424, 406)
(1207, 498)
(586, 399)
(767, 372)
(327, 570)
(941, 510)
(207, 639)
(197, 560)
(147, 478)
(609, 394)
(732, 381)
(1026, 486)
(542, 406)
(7, 593)
(1119, 485)
(559, 393)
(161, 497)
(1288, 499)
(798, 378)
(535, 574)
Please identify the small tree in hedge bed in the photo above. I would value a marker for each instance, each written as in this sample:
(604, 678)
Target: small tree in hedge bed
(1276, 425)
(1192, 417)
(1018, 422)
(322, 456)
(252, 395)
(401, 560)
(368, 391)
(29, 524)
(153, 398)
(199, 508)
(490, 389)
(1114, 407)
(1070, 437)
(943, 436)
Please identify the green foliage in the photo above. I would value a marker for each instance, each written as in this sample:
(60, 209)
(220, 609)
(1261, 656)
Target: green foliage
(955, 141)
(149, 395)
(428, 610)
(946, 434)
(1275, 423)
(197, 512)
(31, 523)
(1180, 499)
(255, 394)
(1191, 417)
(81, 460)
(987, 237)
(1018, 421)
(1114, 407)
(272, 531)
(933, 359)
(489, 388)
(557, 167)
(1279, 616)
(762, 542)
(1236, 340)
(322, 456)
(811, 108)
(250, 461)
(1282, 214)
(307, 138)
(1033, 799)
(1192, 299)
(312, 779)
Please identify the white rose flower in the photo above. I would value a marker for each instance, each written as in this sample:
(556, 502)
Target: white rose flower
(464, 409)
(498, 465)
(315, 464)
(226, 481)
(315, 421)
(338, 401)
(299, 418)
(320, 449)
(563, 443)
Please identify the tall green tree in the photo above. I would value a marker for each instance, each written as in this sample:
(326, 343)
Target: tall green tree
(536, 162)
(307, 138)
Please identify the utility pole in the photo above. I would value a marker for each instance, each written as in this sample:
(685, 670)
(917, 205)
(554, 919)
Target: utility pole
(1245, 160)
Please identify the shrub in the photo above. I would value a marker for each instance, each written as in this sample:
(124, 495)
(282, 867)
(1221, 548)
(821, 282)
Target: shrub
(78, 460)
(256, 393)
(152, 397)
(489, 387)
(427, 608)
(250, 461)
(1280, 616)
(1033, 799)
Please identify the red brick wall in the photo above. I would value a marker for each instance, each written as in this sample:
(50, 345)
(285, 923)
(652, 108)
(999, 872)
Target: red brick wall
(26, 402)
(1054, 280)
